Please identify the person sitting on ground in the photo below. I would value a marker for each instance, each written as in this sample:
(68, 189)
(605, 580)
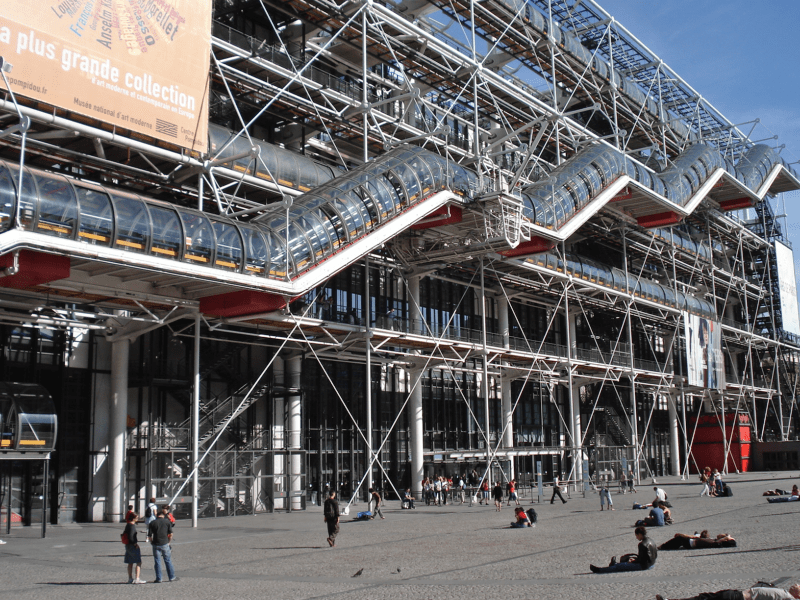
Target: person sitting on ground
(754, 593)
(667, 513)
(408, 500)
(522, 518)
(644, 560)
(682, 541)
(661, 496)
(655, 518)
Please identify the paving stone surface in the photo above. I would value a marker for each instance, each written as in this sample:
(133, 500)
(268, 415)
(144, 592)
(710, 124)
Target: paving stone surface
(453, 551)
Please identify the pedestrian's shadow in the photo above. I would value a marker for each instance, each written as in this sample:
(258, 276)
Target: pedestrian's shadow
(84, 583)
(795, 548)
(290, 548)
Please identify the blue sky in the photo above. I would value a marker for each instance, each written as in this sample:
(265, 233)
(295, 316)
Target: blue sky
(742, 56)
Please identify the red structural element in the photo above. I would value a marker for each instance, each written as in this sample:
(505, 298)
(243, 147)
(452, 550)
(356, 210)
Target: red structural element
(736, 203)
(669, 217)
(244, 302)
(35, 268)
(444, 215)
(708, 449)
(534, 246)
(625, 194)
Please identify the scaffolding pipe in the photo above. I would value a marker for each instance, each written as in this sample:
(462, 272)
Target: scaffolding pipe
(196, 419)
(486, 379)
(368, 378)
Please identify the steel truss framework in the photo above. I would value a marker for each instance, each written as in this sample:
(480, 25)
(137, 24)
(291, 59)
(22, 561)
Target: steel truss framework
(473, 334)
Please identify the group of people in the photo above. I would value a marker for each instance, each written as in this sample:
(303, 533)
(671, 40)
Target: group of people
(712, 483)
(159, 535)
(436, 490)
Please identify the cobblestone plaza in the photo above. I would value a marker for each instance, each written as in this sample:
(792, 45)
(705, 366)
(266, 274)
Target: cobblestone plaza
(453, 551)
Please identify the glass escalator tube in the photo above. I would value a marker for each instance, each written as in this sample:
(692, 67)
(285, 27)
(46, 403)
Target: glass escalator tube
(132, 230)
(400, 199)
(35, 415)
(57, 208)
(317, 235)
(199, 242)
(256, 251)
(8, 198)
(278, 267)
(528, 210)
(230, 252)
(410, 182)
(168, 235)
(29, 198)
(378, 188)
(424, 172)
(96, 220)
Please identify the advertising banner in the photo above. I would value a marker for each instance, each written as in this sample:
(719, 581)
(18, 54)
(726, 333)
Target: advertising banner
(704, 360)
(137, 64)
(788, 286)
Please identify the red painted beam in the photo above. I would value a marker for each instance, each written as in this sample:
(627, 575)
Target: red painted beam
(736, 203)
(669, 217)
(534, 246)
(243, 302)
(35, 268)
(445, 215)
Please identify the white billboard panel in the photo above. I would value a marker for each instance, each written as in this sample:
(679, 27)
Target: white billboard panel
(786, 280)
(705, 363)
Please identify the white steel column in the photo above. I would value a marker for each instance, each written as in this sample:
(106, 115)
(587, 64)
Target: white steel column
(293, 375)
(486, 380)
(574, 389)
(195, 419)
(672, 404)
(368, 374)
(634, 416)
(117, 427)
(674, 442)
(415, 422)
(278, 436)
(508, 416)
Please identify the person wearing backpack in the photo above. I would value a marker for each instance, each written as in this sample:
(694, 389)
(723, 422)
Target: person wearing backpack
(331, 512)
(133, 555)
(150, 512)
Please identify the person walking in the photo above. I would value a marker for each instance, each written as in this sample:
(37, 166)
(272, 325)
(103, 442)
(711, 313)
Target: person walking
(462, 488)
(133, 555)
(497, 494)
(159, 534)
(331, 512)
(484, 492)
(375, 498)
(150, 512)
(605, 496)
(557, 490)
(512, 492)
